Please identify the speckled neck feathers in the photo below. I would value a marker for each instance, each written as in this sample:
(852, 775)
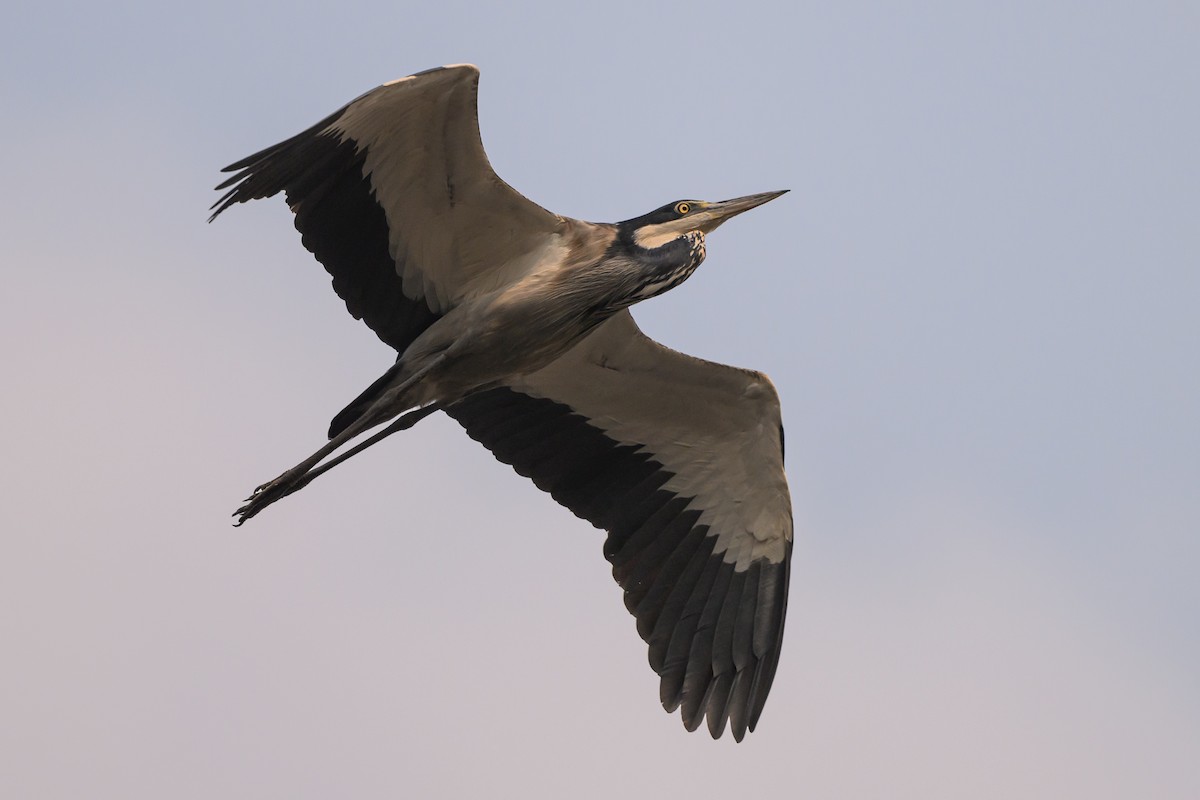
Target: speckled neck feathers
(656, 270)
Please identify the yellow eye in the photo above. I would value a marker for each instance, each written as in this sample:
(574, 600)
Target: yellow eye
(682, 208)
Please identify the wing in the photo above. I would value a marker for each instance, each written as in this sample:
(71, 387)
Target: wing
(681, 461)
(394, 194)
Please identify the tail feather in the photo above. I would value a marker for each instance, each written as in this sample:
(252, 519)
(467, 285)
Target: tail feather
(359, 405)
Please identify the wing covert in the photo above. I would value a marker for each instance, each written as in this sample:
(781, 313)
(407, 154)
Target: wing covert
(394, 195)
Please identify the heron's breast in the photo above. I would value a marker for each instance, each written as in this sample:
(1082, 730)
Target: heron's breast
(507, 336)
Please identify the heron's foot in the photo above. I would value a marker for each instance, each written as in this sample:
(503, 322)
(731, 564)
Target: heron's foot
(268, 493)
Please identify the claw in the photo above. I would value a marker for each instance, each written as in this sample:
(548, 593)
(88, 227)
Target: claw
(268, 493)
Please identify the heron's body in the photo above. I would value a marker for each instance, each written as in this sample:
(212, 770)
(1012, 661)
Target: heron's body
(515, 322)
(519, 329)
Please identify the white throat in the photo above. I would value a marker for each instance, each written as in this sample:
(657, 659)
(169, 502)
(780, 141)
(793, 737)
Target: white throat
(654, 236)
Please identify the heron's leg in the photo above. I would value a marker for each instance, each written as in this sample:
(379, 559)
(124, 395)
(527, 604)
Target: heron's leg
(300, 475)
(402, 423)
(303, 473)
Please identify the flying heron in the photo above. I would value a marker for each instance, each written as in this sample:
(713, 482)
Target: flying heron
(515, 322)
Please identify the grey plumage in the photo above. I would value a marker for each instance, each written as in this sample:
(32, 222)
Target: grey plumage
(514, 321)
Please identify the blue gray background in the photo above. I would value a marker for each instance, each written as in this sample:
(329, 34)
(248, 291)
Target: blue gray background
(978, 303)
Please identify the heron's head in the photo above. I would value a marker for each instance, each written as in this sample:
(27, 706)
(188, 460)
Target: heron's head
(675, 219)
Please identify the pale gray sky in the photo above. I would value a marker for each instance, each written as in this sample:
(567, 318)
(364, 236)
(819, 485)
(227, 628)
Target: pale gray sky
(978, 302)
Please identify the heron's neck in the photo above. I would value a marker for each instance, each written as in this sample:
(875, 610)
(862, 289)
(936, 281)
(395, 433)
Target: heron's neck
(655, 270)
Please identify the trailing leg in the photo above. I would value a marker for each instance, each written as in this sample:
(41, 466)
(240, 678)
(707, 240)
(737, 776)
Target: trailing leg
(303, 473)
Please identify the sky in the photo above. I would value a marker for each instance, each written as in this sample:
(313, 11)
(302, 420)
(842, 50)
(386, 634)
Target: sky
(978, 303)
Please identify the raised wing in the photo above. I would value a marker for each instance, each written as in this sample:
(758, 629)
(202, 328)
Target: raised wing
(681, 461)
(394, 194)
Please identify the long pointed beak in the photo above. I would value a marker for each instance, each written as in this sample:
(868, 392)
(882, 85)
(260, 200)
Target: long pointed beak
(716, 213)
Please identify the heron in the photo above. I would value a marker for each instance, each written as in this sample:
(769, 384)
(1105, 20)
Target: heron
(514, 321)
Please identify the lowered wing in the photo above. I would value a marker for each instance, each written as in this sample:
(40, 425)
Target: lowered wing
(681, 461)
